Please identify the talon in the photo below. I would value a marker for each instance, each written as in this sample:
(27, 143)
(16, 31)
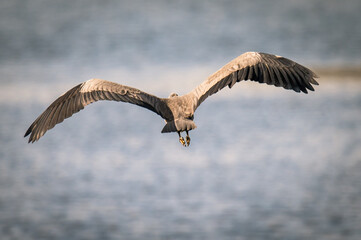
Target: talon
(188, 139)
(181, 140)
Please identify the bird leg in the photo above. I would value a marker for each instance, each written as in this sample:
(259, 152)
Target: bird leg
(188, 139)
(181, 139)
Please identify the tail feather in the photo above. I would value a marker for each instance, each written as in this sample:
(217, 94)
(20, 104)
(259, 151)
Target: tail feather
(179, 125)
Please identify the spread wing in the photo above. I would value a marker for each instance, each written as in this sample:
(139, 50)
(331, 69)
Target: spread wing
(84, 94)
(259, 67)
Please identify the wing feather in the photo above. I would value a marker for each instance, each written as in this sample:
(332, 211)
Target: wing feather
(259, 67)
(84, 94)
(264, 74)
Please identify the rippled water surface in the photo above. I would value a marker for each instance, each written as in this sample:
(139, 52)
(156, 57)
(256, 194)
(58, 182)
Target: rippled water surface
(262, 165)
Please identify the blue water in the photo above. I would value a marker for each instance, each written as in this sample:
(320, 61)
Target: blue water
(264, 163)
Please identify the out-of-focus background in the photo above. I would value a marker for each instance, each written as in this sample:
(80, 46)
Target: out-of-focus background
(264, 163)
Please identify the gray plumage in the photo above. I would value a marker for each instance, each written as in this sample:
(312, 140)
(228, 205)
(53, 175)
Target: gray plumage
(177, 110)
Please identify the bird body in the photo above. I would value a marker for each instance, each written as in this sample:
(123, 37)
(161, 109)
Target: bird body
(178, 111)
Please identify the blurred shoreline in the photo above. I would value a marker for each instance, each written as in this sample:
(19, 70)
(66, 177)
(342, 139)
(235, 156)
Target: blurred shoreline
(38, 85)
(337, 71)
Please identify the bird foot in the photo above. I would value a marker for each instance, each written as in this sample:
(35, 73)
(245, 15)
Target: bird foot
(188, 139)
(181, 140)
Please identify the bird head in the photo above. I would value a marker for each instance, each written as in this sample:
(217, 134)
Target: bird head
(173, 95)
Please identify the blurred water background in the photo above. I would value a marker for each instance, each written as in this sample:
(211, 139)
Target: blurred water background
(284, 166)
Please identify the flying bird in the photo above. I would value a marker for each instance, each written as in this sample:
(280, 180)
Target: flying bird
(178, 111)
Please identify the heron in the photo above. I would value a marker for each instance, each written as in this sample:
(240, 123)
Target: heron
(178, 111)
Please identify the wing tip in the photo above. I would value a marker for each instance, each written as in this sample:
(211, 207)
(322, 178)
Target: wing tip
(313, 81)
(33, 139)
(30, 129)
(27, 132)
(30, 132)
